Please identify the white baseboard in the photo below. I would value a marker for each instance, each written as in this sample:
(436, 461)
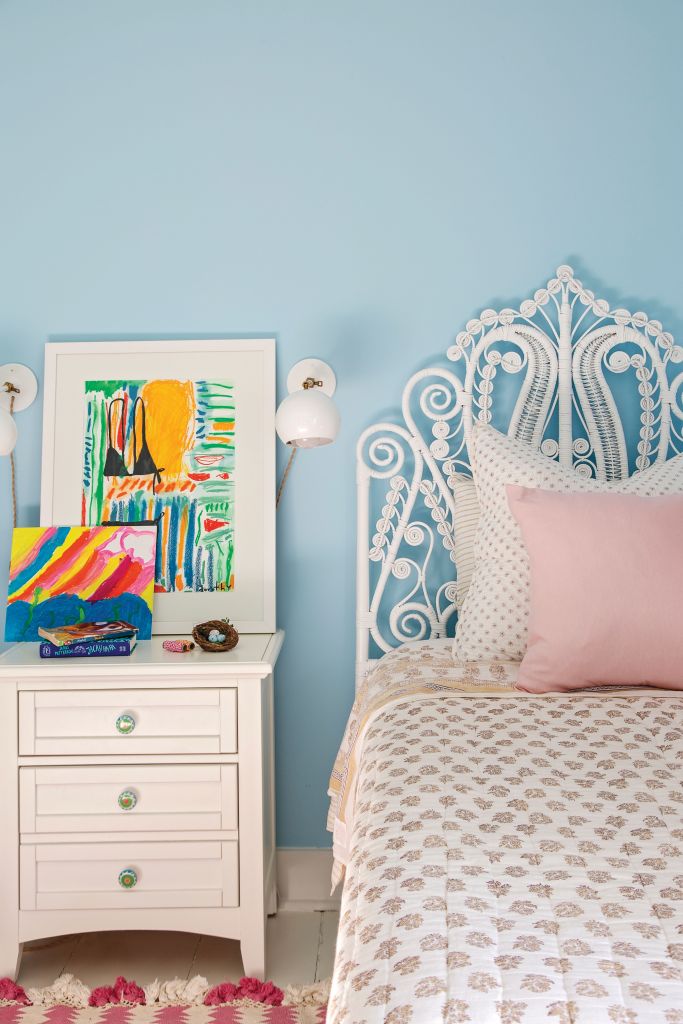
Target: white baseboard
(303, 880)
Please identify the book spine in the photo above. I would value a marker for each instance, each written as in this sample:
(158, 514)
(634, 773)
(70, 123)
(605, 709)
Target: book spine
(99, 649)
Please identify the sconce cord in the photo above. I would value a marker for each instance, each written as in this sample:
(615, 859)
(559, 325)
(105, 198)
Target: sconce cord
(284, 476)
(13, 473)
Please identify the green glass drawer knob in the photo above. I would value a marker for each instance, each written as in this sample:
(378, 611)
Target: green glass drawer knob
(128, 878)
(125, 724)
(127, 800)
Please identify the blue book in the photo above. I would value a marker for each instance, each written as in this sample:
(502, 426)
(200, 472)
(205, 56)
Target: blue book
(120, 648)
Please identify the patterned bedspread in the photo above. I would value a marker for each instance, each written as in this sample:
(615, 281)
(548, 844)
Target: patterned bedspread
(515, 860)
(412, 670)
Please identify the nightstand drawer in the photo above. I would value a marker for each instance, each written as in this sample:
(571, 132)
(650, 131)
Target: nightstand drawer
(99, 876)
(128, 799)
(173, 721)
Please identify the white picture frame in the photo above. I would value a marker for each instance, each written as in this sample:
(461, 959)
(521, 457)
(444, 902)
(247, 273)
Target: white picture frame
(250, 365)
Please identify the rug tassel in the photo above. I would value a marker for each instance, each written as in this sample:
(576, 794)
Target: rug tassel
(178, 992)
(65, 991)
(307, 995)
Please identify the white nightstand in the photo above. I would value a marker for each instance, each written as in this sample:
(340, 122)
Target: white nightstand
(138, 793)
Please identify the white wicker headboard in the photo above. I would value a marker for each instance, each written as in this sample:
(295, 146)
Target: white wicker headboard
(561, 354)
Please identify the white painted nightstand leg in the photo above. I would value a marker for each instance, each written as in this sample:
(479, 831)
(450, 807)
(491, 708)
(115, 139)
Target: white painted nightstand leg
(10, 958)
(253, 950)
(10, 947)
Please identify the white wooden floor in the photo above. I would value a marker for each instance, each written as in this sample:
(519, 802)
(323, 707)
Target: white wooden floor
(300, 951)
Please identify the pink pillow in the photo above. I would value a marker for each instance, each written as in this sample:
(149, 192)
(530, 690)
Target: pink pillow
(606, 589)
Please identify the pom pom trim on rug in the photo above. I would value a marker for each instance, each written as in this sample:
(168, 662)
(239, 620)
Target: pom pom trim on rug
(248, 992)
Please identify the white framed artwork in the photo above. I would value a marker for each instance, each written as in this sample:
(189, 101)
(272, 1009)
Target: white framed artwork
(180, 433)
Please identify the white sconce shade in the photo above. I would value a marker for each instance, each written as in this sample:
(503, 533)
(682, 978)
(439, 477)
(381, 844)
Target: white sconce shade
(308, 417)
(8, 433)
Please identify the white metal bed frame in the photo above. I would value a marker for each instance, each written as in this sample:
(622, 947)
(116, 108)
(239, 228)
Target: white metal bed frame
(567, 346)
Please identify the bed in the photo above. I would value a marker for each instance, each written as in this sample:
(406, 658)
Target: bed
(506, 857)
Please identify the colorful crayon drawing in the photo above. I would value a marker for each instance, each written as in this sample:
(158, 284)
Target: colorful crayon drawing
(164, 451)
(61, 575)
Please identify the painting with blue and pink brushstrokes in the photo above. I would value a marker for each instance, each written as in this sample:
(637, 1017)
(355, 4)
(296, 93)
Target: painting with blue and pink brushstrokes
(163, 451)
(63, 575)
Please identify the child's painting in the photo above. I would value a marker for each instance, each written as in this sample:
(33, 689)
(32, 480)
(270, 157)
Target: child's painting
(62, 575)
(164, 451)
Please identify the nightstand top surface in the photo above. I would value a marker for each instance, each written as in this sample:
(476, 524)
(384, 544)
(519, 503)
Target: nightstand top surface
(256, 653)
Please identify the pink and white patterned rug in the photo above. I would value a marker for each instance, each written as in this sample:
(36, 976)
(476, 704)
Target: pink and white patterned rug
(252, 1013)
(249, 1001)
(244, 1013)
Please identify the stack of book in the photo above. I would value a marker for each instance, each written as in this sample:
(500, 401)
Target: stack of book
(89, 640)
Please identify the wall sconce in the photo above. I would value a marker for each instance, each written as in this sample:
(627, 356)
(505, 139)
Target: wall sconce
(18, 389)
(308, 417)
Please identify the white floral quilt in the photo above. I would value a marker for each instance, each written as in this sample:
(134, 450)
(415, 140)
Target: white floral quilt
(514, 861)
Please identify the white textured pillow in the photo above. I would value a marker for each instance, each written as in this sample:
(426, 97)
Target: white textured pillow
(493, 621)
(465, 524)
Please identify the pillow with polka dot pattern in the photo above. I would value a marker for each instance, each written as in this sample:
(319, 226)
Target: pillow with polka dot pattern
(493, 621)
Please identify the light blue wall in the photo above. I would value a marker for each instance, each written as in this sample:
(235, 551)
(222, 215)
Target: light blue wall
(357, 177)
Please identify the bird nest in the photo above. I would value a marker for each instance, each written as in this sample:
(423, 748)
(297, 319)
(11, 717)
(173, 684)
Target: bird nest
(201, 633)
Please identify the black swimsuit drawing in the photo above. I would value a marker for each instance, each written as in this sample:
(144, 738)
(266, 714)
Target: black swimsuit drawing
(144, 464)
